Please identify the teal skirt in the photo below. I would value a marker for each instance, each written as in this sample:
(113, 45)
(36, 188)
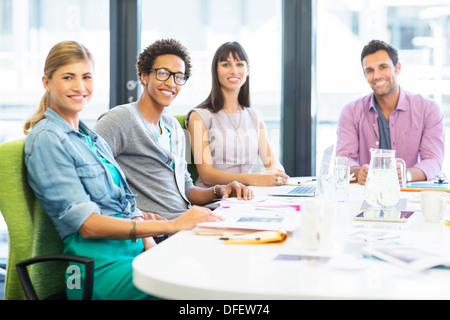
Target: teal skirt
(112, 268)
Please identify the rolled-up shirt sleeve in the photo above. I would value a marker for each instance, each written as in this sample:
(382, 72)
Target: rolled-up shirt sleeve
(347, 144)
(432, 144)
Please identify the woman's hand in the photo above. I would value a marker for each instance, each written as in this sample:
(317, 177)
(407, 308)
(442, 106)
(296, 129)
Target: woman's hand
(192, 217)
(271, 178)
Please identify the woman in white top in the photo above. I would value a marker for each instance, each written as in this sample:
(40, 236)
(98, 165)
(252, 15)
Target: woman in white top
(227, 136)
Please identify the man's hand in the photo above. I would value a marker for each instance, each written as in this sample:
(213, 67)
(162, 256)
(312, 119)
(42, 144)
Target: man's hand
(150, 241)
(236, 189)
(362, 174)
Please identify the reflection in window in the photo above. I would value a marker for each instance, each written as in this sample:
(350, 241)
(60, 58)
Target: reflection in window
(419, 29)
(28, 29)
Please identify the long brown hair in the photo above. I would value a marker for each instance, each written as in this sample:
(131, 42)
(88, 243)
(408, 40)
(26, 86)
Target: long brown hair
(61, 54)
(215, 100)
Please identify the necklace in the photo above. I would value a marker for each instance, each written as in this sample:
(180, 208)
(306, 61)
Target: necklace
(235, 126)
(236, 130)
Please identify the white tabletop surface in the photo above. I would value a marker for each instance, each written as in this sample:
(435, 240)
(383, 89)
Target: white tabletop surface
(191, 266)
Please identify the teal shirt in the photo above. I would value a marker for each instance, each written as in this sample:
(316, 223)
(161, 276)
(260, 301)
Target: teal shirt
(111, 168)
(165, 138)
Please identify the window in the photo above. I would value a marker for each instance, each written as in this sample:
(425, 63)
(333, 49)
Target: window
(28, 30)
(202, 26)
(419, 29)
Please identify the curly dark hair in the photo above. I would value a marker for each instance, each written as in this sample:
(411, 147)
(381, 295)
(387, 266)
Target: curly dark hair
(162, 47)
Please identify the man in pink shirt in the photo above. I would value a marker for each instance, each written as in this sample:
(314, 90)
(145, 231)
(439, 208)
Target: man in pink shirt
(390, 118)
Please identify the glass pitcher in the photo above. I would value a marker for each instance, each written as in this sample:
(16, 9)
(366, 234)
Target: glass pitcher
(382, 191)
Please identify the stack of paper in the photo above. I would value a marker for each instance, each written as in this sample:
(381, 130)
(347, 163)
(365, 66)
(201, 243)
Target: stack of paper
(410, 257)
(426, 185)
(245, 216)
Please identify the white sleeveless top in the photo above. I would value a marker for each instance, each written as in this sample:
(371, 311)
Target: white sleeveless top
(233, 139)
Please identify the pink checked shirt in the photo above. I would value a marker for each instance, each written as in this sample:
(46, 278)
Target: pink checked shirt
(416, 129)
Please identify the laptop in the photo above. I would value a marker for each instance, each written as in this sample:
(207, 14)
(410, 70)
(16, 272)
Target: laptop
(306, 190)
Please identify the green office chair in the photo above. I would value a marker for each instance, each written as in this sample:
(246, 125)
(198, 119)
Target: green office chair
(32, 238)
(192, 168)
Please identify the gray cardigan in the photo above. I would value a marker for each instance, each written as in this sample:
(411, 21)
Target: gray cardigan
(159, 188)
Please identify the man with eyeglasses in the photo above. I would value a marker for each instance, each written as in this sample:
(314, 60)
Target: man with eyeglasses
(149, 145)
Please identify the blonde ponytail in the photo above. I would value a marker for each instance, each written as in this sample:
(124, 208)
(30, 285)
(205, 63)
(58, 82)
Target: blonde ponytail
(37, 116)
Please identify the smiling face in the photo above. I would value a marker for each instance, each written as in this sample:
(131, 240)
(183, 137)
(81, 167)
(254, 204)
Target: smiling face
(70, 88)
(381, 73)
(232, 73)
(162, 93)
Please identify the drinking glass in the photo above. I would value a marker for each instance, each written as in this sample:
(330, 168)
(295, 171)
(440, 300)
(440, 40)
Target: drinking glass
(342, 178)
(326, 186)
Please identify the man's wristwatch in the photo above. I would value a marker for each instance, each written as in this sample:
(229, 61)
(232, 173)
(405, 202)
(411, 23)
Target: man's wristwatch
(408, 176)
(216, 193)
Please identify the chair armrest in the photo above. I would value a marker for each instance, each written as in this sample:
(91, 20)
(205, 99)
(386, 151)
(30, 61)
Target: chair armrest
(25, 280)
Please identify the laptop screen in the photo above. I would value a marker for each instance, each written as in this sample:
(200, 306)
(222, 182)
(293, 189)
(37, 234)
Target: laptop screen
(326, 160)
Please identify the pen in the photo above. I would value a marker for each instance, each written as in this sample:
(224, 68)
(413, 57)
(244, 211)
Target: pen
(239, 238)
(304, 181)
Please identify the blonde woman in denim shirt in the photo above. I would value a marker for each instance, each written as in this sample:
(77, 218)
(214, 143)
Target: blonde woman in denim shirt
(74, 175)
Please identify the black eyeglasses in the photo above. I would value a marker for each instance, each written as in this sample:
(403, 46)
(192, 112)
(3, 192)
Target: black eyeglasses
(164, 74)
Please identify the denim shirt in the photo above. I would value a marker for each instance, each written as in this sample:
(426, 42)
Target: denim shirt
(69, 179)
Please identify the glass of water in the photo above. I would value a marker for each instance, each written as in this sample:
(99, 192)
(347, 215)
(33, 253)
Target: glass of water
(326, 186)
(342, 178)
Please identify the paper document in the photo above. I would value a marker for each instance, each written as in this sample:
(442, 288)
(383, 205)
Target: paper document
(372, 235)
(409, 257)
(255, 217)
(426, 185)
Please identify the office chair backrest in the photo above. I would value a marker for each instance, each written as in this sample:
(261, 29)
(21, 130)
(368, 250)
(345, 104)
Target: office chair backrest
(30, 231)
(190, 160)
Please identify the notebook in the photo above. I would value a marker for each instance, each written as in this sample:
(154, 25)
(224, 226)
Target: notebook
(426, 185)
(306, 190)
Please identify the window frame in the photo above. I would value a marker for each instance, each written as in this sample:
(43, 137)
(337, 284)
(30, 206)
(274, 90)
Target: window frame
(298, 126)
(125, 35)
